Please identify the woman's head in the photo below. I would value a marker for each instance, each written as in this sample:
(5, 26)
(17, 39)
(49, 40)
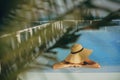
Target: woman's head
(78, 54)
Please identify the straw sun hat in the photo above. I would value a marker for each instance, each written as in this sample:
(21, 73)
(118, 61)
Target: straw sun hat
(78, 54)
(76, 58)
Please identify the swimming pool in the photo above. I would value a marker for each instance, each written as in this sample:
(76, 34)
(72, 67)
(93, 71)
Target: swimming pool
(106, 51)
(105, 45)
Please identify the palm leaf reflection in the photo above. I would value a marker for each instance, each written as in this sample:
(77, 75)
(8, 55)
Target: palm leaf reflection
(68, 38)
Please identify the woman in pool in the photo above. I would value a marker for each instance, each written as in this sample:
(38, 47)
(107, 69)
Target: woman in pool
(77, 58)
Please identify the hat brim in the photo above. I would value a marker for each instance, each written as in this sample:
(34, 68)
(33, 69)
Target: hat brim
(86, 51)
(78, 57)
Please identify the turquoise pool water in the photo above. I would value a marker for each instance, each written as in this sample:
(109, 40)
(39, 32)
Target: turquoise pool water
(105, 45)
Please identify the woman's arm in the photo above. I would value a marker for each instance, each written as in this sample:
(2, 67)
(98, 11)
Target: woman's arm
(91, 64)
